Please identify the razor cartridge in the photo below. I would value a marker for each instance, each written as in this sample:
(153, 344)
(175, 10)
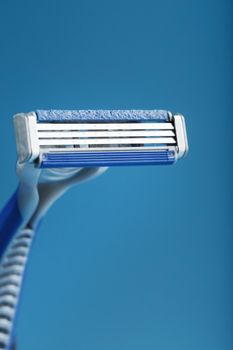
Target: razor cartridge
(57, 139)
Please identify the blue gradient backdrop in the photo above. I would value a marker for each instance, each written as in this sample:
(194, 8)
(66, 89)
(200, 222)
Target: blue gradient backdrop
(140, 258)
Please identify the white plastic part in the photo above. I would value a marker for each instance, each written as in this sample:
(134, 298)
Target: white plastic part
(10, 286)
(14, 280)
(4, 338)
(15, 261)
(26, 137)
(4, 323)
(9, 270)
(7, 311)
(7, 299)
(9, 289)
(181, 136)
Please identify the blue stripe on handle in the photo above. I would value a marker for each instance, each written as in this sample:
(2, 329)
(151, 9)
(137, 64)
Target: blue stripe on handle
(10, 221)
(101, 115)
(99, 159)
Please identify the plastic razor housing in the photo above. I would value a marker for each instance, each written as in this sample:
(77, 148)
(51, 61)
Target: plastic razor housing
(88, 138)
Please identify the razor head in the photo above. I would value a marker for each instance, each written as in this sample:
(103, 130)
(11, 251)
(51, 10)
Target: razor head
(99, 138)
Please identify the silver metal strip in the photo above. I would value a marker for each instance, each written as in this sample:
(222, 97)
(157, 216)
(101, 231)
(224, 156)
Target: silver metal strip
(161, 140)
(104, 126)
(71, 134)
(110, 149)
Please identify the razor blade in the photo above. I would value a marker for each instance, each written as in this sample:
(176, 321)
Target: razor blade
(100, 138)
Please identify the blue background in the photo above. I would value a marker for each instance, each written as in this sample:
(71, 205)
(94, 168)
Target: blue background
(140, 258)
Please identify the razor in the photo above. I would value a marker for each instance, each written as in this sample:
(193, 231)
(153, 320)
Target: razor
(58, 149)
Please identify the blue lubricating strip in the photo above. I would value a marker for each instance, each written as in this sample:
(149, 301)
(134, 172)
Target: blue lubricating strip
(101, 115)
(95, 158)
(10, 221)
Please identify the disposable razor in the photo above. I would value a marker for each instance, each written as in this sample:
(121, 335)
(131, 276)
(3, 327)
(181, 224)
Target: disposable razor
(58, 149)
